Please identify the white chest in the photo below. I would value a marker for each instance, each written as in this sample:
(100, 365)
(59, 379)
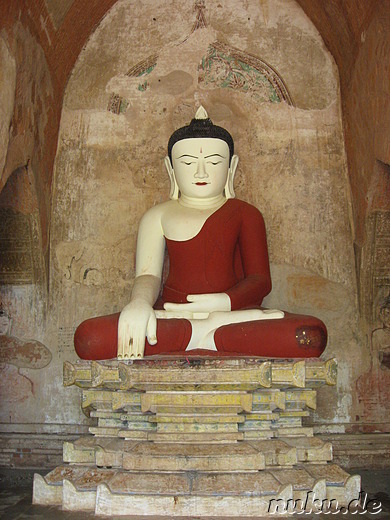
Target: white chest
(181, 223)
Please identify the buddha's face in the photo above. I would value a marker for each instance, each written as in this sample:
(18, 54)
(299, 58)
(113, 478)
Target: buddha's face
(201, 166)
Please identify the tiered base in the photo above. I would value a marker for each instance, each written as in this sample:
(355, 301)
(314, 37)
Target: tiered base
(198, 438)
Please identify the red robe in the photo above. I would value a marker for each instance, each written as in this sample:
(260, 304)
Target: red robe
(229, 254)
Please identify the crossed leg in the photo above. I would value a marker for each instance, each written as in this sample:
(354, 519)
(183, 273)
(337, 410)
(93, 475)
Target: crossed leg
(203, 330)
(289, 336)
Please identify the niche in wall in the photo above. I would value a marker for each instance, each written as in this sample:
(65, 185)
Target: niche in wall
(20, 254)
(375, 276)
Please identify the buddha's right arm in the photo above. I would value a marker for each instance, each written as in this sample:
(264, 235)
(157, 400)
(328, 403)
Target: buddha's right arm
(137, 320)
(146, 289)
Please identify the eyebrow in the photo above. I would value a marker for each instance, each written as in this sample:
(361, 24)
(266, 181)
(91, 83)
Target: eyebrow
(206, 157)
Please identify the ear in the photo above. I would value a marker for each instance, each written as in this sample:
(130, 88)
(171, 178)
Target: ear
(229, 186)
(174, 191)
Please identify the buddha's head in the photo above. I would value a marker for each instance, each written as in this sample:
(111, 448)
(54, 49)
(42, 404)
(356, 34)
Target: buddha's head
(201, 161)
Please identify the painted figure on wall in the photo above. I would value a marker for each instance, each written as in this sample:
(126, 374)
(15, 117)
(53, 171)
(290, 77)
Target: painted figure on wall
(219, 271)
(381, 336)
(373, 387)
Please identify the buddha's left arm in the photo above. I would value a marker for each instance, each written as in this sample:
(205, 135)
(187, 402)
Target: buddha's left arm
(200, 303)
(256, 283)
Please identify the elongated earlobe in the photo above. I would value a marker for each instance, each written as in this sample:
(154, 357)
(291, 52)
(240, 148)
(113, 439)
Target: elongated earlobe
(229, 186)
(174, 191)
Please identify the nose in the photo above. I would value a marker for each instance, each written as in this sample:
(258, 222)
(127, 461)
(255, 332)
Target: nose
(201, 170)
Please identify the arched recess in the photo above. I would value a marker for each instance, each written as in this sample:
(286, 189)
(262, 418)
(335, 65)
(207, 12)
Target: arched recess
(373, 386)
(20, 254)
(22, 271)
(23, 301)
(7, 97)
(375, 275)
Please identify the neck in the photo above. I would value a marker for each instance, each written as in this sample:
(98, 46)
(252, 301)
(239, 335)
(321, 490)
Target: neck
(192, 202)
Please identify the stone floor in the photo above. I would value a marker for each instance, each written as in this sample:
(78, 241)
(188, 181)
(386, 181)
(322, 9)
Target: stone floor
(16, 491)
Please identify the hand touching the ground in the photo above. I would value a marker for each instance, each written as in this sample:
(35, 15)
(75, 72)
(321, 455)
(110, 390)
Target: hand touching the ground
(137, 322)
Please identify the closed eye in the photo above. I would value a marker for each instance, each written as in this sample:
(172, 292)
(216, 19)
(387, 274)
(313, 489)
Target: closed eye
(214, 163)
(187, 163)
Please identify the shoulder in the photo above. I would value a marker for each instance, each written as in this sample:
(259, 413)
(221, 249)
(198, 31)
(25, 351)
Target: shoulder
(157, 212)
(245, 209)
(151, 220)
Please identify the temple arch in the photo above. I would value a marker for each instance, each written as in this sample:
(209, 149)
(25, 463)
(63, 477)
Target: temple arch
(292, 161)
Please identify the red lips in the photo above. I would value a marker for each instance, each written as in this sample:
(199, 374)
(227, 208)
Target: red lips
(201, 183)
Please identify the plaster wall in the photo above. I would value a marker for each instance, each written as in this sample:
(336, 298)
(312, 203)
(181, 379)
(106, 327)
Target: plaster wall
(367, 109)
(31, 102)
(7, 95)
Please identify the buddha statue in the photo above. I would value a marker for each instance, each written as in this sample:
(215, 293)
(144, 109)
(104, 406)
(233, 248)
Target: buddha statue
(210, 303)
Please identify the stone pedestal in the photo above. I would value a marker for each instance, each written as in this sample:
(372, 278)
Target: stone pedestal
(198, 437)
